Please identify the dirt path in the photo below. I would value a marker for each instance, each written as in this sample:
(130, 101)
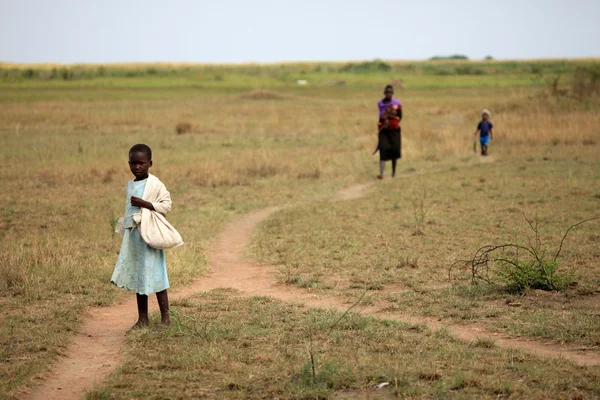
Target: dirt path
(352, 192)
(232, 270)
(96, 349)
(93, 353)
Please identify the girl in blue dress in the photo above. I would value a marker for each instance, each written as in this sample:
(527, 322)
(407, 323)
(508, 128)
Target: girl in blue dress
(139, 266)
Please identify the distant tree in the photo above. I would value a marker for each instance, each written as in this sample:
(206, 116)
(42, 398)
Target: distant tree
(376, 65)
(452, 57)
(489, 58)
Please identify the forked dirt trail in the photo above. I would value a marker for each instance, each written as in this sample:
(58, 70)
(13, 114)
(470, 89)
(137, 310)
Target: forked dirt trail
(96, 349)
(231, 270)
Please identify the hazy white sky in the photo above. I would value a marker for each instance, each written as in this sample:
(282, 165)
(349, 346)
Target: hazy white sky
(102, 31)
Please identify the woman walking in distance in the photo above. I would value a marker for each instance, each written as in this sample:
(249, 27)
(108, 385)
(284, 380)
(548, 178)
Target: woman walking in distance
(389, 142)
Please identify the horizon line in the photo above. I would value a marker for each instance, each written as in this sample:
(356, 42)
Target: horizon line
(274, 63)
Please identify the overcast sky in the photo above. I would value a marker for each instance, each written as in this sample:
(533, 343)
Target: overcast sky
(103, 31)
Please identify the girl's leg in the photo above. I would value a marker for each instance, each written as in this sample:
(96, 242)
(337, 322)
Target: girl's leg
(381, 168)
(394, 162)
(142, 306)
(163, 304)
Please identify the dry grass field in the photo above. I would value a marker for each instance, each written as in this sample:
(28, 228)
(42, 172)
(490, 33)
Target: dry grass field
(227, 148)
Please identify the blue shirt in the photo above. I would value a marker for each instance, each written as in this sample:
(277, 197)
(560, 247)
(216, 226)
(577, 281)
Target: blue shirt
(485, 127)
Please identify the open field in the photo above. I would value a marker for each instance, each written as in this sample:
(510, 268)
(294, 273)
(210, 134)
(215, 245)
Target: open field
(258, 141)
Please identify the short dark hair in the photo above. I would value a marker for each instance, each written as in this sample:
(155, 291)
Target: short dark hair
(142, 148)
(388, 87)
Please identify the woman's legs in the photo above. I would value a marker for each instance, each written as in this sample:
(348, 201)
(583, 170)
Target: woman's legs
(163, 304)
(381, 168)
(394, 162)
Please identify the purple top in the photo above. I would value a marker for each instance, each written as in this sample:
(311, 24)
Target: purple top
(485, 127)
(383, 106)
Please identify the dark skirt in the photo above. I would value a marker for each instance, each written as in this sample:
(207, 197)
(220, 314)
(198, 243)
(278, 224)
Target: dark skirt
(390, 144)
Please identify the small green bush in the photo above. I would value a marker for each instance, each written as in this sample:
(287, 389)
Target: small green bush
(533, 274)
(521, 267)
(66, 74)
(28, 73)
(329, 376)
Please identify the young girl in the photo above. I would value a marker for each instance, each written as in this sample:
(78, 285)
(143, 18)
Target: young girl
(389, 141)
(140, 267)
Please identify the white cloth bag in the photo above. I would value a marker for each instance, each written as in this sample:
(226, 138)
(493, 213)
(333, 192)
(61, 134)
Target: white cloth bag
(154, 228)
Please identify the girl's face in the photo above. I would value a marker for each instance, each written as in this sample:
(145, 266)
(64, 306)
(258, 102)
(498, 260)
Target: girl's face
(485, 117)
(139, 163)
(389, 93)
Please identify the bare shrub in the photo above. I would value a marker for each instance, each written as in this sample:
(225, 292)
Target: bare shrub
(315, 174)
(398, 83)
(520, 267)
(261, 94)
(260, 171)
(554, 84)
(108, 177)
(183, 128)
(419, 198)
(586, 82)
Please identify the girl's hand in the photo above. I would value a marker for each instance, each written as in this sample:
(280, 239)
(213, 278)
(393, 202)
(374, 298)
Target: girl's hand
(137, 202)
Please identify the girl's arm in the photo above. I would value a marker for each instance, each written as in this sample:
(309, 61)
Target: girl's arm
(137, 202)
(162, 204)
(491, 134)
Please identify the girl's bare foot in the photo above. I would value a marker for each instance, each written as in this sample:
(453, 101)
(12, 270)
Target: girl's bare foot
(138, 325)
(380, 176)
(164, 323)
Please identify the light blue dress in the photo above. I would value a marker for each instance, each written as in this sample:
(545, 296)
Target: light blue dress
(139, 266)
